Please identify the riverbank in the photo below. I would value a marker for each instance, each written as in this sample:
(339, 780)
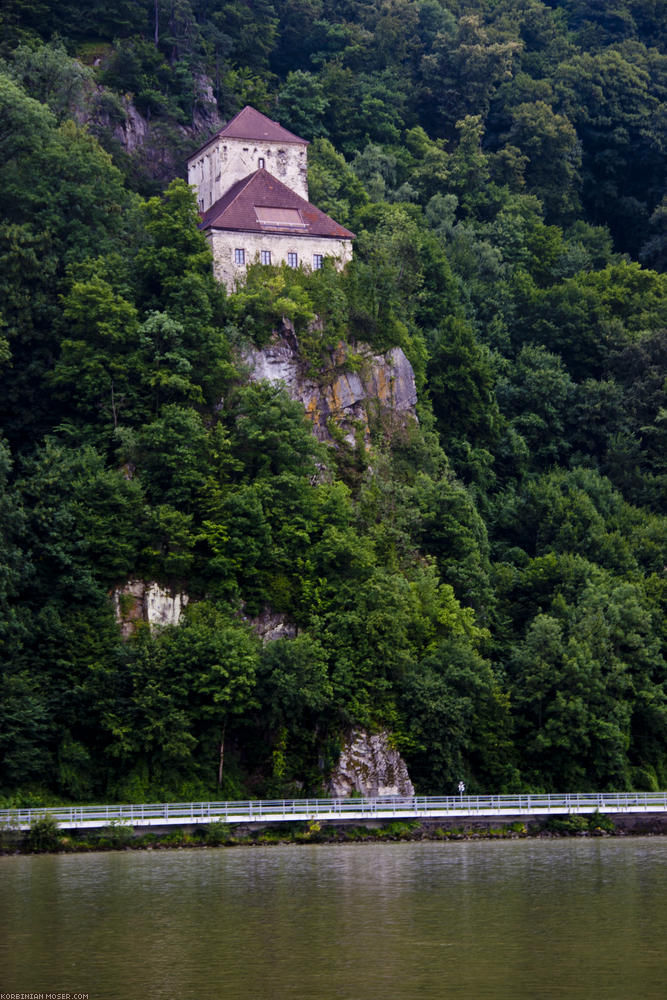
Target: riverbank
(44, 837)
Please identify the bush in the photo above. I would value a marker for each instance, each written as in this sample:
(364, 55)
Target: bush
(569, 826)
(572, 825)
(43, 835)
(398, 830)
(118, 834)
(598, 823)
(217, 834)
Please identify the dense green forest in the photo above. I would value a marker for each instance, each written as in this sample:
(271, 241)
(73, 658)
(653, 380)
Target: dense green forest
(488, 583)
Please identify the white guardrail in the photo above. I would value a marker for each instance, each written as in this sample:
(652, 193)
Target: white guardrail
(332, 810)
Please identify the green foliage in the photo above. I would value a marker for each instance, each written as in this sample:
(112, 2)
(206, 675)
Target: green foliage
(598, 822)
(43, 835)
(333, 186)
(551, 146)
(50, 76)
(61, 201)
(295, 685)
(459, 720)
(303, 105)
(265, 298)
(217, 834)
(461, 382)
(117, 835)
(573, 826)
(398, 830)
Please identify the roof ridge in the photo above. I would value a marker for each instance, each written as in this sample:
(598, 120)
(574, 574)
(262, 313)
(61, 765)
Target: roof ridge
(291, 190)
(242, 183)
(241, 201)
(284, 134)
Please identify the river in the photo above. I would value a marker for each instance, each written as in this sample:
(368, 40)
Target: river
(530, 919)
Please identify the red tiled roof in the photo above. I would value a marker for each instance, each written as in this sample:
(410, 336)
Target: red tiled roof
(236, 210)
(252, 125)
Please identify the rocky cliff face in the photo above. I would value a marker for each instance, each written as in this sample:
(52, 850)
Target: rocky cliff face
(370, 766)
(158, 146)
(271, 625)
(136, 130)
(143, 601)
(350, 387)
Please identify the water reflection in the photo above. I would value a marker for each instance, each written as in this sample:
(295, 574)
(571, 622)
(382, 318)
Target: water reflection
(531, 919)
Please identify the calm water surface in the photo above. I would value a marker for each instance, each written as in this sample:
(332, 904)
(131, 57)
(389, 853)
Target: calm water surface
(573, 919)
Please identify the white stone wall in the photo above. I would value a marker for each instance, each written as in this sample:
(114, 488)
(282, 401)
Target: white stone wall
(226, 161)
(224, 243)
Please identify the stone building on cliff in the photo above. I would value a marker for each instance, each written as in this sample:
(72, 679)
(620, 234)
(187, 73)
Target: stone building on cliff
(251, 181)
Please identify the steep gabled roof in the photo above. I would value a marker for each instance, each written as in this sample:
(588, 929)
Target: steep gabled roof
(254, 126)
(260, 203)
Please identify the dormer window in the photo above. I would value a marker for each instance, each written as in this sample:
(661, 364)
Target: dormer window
(279, 218)
(260, 163)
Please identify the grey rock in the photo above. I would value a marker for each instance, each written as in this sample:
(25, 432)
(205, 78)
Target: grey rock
(344, 389)
(271, 625)
(146, 601)
(370, 766)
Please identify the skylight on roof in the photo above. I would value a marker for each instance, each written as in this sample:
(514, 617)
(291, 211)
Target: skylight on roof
(283, 218)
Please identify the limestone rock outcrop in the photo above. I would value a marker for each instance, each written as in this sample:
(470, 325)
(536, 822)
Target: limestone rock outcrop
(145, 601)
(350, 386)
(271, 625)
(370, 766)
(143, 138)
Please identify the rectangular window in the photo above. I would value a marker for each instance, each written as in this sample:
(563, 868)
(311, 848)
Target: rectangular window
(260, 163)
(292, 260)
(318, 260)
(239, 256)
(265, 256)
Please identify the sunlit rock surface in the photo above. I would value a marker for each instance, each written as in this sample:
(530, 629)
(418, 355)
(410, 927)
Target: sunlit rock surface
(351, 386)
(145, 601)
